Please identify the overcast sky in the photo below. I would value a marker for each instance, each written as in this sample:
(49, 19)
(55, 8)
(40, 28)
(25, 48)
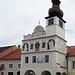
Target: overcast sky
(19, 17)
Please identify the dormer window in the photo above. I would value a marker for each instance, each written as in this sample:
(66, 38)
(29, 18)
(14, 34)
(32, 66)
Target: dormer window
(60, 23)
(51, 21)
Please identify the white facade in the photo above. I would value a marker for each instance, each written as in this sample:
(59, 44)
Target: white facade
(55, 48)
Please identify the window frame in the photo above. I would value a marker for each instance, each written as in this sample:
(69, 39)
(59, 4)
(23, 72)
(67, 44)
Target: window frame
(46, 58)
(19, 65)
(73, 64)
(3, 65)
(60, 23)
(11, 66)
(33, 59)
(26, 59)
(50, 21)
(43, 44)
(31, 47)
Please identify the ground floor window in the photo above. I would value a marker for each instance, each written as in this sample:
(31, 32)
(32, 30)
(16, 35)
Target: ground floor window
(73, 64)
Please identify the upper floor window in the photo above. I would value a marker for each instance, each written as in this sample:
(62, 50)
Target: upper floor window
(2, 65)
(43, 44)
(26, 59)
(31, 46)
(37, 45)
(19, 65)
(51, 44)
(34, 59)
(10, 65)
(25, 47)
(51, 21)
(46, 58)
(73, 64)
(60, 23)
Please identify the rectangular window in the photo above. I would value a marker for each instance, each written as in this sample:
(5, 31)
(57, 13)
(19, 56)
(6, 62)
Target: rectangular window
(19, 65)
(26, 59)
(34, 59)
(51, 21)
(43, 45)
(73, 64)
(46, 58)
(2, 65)
(10, 65)
(31, 46)
(2, 73)
(60, 23)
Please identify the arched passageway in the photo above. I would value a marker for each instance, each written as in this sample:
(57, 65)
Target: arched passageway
(30, 72)
(18, 73)
(64, 73)
(45, 73)
(58, 73)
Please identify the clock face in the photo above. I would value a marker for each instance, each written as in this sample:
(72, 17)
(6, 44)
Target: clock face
(40, 59)
(50, 21)
(38, 28)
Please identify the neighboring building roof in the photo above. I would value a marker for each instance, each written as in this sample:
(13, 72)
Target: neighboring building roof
(71, 50)
(6, 50)
(15, 55)
(10, 52)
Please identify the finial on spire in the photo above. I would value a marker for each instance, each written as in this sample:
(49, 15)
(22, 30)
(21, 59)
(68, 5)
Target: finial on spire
(56, 2)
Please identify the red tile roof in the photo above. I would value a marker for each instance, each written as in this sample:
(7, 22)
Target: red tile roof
(12, 53)
(15, 55)
(6, 50)
(71, 50)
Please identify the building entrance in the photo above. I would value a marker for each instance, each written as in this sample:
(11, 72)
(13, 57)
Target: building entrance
(10, 73)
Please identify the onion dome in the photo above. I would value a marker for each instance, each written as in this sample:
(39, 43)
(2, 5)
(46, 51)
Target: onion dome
(55, 10)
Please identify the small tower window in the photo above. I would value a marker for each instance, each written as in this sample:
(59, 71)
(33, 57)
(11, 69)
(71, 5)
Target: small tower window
(60, 23)
(50, 21)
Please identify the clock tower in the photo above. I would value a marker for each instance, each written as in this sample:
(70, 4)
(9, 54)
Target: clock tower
(44, 51)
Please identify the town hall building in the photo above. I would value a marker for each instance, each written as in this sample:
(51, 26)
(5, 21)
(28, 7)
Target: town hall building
(44, 51)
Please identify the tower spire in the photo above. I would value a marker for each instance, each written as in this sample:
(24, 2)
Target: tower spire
(55, 10)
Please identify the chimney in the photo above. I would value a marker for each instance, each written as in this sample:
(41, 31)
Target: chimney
(18, 46)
